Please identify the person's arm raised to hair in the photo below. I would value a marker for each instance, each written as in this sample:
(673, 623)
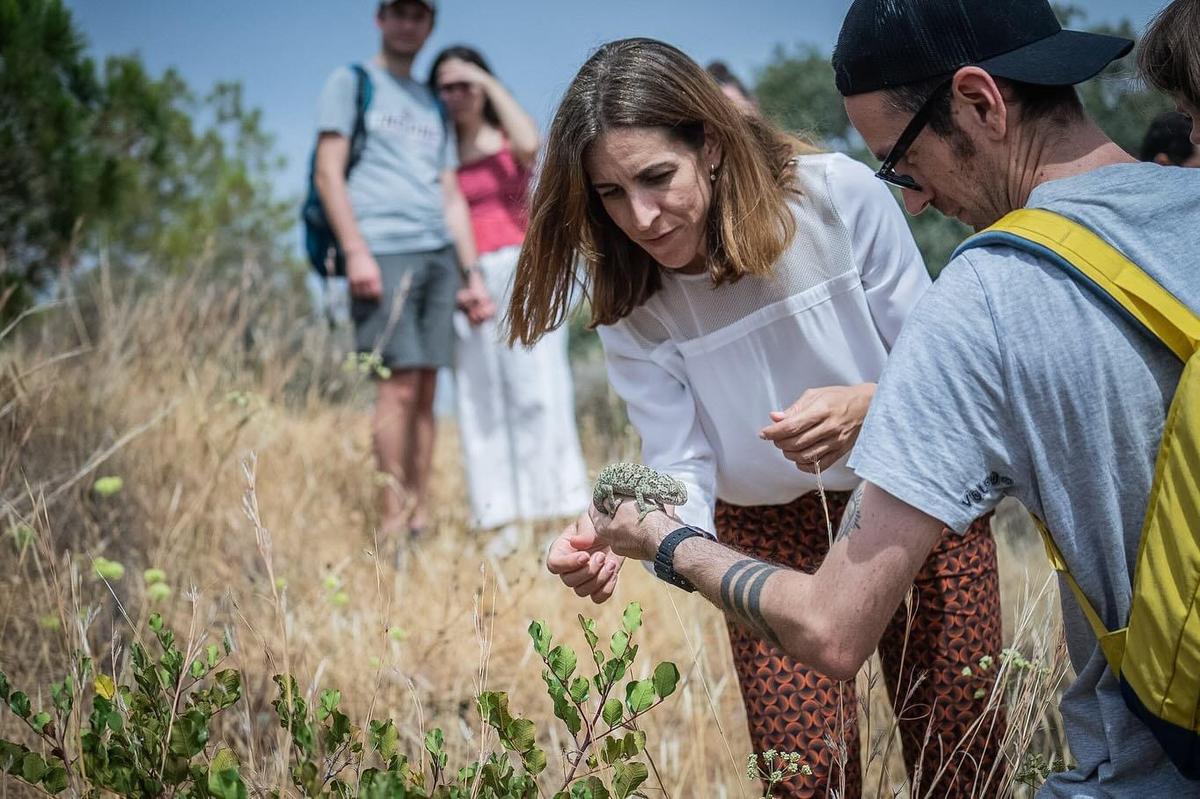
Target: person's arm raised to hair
(831, 620)
(473, 297)
(519, 127)
(333, 152)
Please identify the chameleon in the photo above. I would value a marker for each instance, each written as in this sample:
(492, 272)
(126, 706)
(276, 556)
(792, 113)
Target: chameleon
(650, 488)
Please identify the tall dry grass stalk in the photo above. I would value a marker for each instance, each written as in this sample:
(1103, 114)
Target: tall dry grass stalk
(244, 451)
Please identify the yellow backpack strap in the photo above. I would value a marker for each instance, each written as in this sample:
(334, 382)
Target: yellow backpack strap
(1120, 280)
(1112, 642)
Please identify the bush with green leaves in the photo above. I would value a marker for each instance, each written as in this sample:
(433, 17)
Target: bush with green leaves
(144, 739)
(154, 737)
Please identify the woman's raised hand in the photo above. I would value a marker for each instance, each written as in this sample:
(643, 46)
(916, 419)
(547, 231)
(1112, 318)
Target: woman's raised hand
(820, 427)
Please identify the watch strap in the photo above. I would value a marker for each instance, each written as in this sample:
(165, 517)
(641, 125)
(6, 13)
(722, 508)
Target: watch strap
(664, 559)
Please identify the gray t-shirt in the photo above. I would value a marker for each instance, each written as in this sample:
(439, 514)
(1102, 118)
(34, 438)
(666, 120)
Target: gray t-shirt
(1010, 378)
(395, 188)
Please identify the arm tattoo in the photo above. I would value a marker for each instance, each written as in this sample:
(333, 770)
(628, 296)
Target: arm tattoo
(852, 517)
(741, 594)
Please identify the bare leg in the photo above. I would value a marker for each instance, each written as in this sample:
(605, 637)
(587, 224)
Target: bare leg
(392, 431)
(420, 454)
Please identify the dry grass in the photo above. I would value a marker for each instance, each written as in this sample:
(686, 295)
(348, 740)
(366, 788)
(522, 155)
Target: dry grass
(208, 406)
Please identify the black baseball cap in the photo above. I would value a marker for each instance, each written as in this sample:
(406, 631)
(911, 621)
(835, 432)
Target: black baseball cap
(889, 43)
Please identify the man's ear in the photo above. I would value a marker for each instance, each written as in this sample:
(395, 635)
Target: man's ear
(978, 103)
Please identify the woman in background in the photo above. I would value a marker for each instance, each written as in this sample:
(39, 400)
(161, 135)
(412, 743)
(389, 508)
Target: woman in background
(515, 406)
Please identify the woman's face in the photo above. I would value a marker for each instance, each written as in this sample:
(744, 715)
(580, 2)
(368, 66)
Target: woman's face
(459, 89)
(657, 190)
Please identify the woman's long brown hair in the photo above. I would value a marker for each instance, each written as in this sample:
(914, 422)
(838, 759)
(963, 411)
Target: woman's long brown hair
(645, 83)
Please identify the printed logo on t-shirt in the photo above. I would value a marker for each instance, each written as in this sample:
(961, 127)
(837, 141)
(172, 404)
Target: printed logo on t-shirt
(975, 495)
(407, 125)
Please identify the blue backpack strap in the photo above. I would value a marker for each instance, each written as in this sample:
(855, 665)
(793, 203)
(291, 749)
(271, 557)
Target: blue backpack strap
(363, 92)
(989, 238)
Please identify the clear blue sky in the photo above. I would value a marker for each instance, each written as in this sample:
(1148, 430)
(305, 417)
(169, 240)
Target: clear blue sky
(282, 51)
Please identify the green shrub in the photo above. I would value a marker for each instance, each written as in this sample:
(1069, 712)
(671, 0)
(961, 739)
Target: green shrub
(154, 737)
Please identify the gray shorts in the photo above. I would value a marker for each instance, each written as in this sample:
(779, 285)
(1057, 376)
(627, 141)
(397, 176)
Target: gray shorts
(411, 324)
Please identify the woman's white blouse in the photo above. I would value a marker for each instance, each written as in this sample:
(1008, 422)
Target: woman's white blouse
(700, 367)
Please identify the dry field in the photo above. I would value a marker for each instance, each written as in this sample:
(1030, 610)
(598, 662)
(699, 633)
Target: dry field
(243, 451)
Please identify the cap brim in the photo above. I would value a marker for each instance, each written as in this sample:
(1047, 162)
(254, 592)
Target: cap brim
(1062, 59)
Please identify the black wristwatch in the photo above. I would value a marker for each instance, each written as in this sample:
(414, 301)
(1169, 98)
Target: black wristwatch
(664, 559)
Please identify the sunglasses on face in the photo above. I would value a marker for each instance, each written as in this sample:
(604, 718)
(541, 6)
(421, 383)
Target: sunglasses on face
(887, 170)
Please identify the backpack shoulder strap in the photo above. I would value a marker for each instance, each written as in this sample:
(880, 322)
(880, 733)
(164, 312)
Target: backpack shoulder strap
(1103, 268)
(363, 94)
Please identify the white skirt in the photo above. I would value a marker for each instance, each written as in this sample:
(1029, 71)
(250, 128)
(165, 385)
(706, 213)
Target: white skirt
(516, 416)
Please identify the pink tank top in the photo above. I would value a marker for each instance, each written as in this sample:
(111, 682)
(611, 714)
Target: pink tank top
(496, 187)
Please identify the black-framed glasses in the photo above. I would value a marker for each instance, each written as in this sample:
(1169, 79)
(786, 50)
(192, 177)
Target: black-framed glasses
(887, 170)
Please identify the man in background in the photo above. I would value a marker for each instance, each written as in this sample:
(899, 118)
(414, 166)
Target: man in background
(402, 223)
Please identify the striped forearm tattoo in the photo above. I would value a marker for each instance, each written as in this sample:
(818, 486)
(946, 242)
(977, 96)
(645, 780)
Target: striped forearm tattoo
(741, 593)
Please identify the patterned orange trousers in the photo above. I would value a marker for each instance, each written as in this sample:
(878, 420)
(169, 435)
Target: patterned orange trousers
(930, 652)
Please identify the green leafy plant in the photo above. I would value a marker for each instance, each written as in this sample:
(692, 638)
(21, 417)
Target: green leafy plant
(154, 737)
(147, 739)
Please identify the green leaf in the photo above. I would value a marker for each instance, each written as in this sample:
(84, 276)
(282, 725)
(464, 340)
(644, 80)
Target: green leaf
(612, 711)
(589, 788)
(434, 744)
(589, 630)
(384, 738)
(198, 669)
(225, 783)
(612, 751)
(329, 703)
(156, 622)
(224, 760)
(632, 618)
(40, 720)
(520, 735)
(579, 690)
(18, 702)
(633, 743)
(189, 734)
(639, 695)
(562, 662)
(493, 706)
(620, 643)
(33, 767)
(54, 781)
(541, 637)
(535, 761)
(627, 777)
(5, 689)
(152, 576)
(666, 678)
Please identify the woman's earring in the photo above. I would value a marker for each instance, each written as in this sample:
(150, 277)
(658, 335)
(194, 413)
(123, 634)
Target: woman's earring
(712, 173)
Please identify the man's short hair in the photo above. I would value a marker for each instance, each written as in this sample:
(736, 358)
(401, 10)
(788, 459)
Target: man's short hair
(1169, 56)
(1169, 135)
(1036, 102)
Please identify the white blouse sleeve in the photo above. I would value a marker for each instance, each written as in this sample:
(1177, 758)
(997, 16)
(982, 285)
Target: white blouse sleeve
(893, 273)
(653, 385)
